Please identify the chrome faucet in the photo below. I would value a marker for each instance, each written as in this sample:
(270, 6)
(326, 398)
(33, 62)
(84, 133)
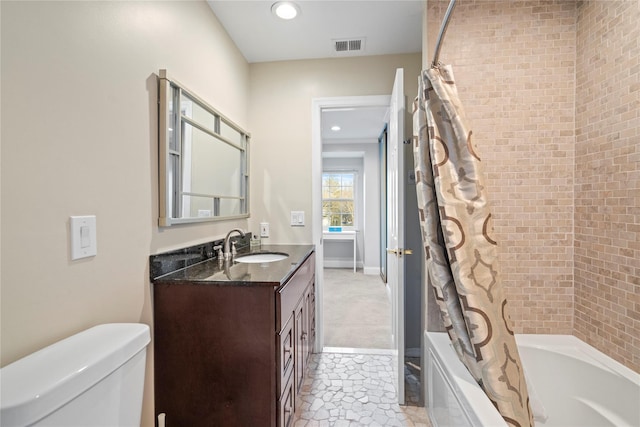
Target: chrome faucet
(227, 250)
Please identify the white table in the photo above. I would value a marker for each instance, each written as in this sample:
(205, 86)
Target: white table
(343, 236)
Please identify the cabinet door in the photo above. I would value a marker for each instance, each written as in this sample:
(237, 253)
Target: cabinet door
(286, 405)
(311, 321)
(286, 343)
(301, 337)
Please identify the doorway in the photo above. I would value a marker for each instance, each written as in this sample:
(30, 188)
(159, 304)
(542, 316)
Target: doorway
(357, 309)
(359, 154)
(397, 288)
(356, 304)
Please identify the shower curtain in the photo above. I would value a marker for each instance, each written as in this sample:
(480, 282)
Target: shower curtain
(461, 255)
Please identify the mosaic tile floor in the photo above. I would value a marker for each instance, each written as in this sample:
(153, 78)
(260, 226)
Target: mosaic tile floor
(348, 390)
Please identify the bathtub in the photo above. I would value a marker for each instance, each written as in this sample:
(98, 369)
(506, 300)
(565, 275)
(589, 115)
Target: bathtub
(570, 384)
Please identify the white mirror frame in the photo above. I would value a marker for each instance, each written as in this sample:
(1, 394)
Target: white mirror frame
(171, 192)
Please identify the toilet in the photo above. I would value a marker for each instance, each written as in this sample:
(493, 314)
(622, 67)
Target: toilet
(93, 378)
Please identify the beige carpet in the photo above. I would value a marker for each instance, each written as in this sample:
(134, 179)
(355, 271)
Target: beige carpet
(357, 311)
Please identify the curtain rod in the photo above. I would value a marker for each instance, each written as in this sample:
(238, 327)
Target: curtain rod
(443, 30)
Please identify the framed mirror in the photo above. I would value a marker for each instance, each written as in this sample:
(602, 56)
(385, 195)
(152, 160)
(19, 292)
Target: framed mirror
(203, 159)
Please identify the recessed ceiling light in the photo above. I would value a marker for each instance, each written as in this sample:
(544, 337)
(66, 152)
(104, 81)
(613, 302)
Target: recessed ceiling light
(285, 9)
(335, 128)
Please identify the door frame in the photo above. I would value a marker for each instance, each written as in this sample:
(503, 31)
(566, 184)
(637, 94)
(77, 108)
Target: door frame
(383, 142)
(317, 105)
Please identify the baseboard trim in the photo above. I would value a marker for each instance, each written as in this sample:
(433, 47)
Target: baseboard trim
(340, 263)
(371, 270)
(350, 350)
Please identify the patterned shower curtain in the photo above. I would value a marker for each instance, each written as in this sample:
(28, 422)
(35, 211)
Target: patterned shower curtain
(461, 255)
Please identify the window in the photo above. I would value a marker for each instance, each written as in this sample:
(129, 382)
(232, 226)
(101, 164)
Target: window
(338, 199)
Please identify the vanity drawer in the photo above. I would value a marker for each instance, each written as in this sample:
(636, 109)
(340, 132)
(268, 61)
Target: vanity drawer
(285, 355)
(286, 405)
(289, 295)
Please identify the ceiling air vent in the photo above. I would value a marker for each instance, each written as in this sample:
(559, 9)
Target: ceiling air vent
(348, 46)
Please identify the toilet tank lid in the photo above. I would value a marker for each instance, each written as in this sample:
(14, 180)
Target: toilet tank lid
(41, 382)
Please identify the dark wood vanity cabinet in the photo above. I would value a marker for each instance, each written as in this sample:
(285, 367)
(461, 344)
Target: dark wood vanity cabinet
(305, 331)
(233, 354)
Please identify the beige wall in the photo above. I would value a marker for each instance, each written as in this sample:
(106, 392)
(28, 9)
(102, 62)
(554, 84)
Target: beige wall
(79, 137)
(280, 117)
(514, 64)
(607, 191)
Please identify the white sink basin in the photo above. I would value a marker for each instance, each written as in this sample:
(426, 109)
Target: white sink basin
(262, 257)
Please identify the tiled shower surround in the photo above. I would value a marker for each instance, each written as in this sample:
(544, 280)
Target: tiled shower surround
(551, 91)
(607, 179)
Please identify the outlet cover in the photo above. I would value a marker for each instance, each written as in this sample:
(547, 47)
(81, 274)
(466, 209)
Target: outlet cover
(264, 229)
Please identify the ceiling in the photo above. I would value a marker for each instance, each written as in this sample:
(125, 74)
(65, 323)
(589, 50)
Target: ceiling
(362, 124)
(384, 26)
(387, 27)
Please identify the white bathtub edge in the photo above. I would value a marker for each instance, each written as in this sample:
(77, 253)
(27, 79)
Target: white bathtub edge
(479, 415)
(566, 341)
(455, 390)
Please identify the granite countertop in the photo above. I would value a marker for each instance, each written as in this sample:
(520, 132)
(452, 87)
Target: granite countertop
(232, 273)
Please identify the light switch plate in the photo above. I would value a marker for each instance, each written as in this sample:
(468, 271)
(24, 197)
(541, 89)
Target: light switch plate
(297, 218)
(83, 236)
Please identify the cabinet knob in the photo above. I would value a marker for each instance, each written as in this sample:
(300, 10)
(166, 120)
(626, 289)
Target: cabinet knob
(303, 336)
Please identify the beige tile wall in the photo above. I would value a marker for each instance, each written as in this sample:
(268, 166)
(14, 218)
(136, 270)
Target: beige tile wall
(607, 178)
(514, 63)
(552, 91)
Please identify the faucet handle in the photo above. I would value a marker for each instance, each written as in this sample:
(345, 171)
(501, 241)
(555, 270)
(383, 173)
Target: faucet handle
(233, 247)
(218, 250)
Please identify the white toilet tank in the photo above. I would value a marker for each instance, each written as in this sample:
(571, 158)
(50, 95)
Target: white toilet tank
(94, 378)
